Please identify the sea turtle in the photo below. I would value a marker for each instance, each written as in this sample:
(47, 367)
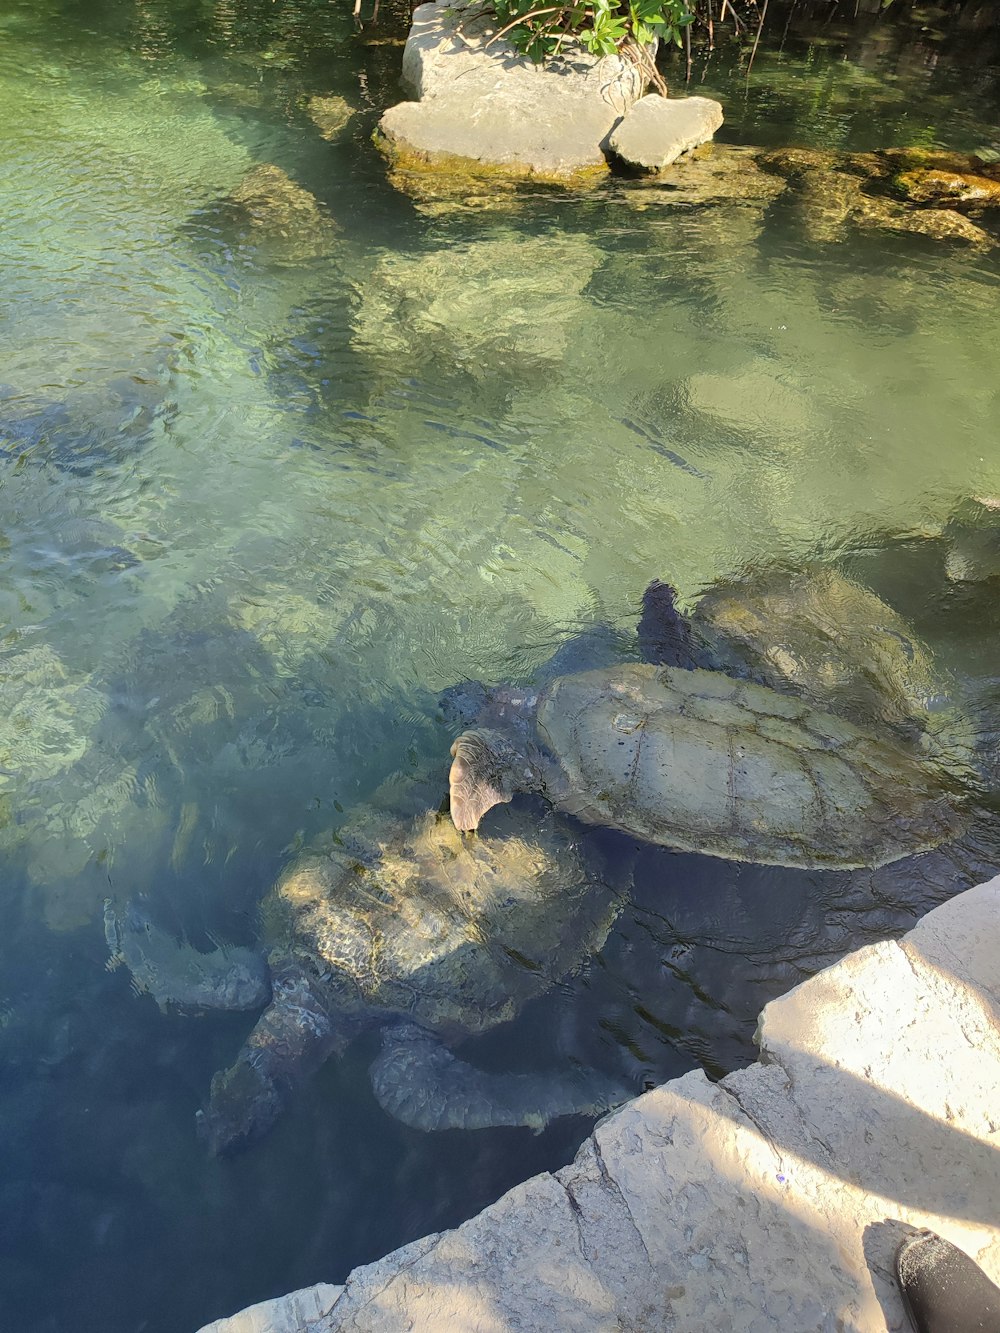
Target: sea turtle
(697, 760)
(401, 923)
(812, 631)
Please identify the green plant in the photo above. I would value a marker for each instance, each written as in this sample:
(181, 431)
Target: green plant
(602, 26)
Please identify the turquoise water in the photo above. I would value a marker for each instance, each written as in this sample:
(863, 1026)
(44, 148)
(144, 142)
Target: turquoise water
(262, 498)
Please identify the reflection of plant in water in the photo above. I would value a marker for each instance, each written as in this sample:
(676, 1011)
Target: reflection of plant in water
(877, 38)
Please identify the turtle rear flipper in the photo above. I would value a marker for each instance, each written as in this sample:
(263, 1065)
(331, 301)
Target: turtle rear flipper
(421, 1083)
(175, 973)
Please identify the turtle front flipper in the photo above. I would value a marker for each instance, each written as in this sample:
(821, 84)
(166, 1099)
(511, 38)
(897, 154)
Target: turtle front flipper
(177, 974)
(292, 1038)
(482, 775)
(421, 1083)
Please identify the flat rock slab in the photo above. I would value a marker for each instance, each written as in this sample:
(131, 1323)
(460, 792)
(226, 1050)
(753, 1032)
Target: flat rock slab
(773, 1200)
(484, 108)
(657, 130)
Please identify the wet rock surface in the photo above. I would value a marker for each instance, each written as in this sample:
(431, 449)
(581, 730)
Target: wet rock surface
(831, 193)
(329, 114)
(774, 1199)
(511, 302)
(280, 213)
(715, 174)
(953, 189)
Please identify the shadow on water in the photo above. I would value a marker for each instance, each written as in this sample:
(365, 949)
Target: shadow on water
(80, 439)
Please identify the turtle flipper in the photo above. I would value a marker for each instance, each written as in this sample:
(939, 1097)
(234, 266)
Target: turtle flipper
(175, 973)
(420, 1082)
(481, 776)
(292, 1038)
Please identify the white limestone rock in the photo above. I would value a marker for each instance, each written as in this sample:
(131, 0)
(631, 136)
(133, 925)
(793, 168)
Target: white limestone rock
(482, 106)
(657, 130)
(773, 1200)
(285, 1314)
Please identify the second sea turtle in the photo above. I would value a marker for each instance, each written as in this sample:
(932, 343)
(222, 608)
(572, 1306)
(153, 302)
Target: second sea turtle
(401, 924)
(703, 762)
(814, 632)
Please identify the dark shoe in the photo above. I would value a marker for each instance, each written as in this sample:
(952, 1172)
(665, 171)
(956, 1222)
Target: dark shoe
(944, 1291)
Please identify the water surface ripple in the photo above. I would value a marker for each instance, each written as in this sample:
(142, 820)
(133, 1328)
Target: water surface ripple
(263, 497)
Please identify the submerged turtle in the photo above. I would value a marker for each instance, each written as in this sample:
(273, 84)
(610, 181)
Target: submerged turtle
(697, 760)
(814, 632)
(403, 924)
(798, 722)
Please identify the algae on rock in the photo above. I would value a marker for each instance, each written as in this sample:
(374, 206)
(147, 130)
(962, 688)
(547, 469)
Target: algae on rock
(279, 211)
(484, 108)
(330, 115)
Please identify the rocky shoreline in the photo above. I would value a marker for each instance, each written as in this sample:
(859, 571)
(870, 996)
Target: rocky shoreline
(484, 122)
(774, 1199)
(481, 111)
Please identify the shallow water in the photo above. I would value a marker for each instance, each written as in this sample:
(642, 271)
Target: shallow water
(260, 501)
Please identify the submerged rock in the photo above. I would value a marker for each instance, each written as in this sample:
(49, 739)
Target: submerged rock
(941, 224)
(483, 308)
(484, 109)
(838, 191)
(48, 713)
(973, 537)
(711, 174)
(757, 399)
(274, 208)
(951, 189)
(329, 115)
(657, 130)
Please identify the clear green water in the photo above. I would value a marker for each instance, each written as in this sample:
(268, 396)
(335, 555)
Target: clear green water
(258, 507)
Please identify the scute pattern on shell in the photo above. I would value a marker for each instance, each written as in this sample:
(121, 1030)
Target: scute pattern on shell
(702, 762)
(827, 638)
(454, 933)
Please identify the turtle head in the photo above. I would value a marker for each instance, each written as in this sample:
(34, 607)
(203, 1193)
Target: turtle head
(665, 634)
(471, 704)
(486, 770)
(465, 703)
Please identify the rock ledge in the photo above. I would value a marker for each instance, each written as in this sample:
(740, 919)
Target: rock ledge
(773, 1200)
(484, 109)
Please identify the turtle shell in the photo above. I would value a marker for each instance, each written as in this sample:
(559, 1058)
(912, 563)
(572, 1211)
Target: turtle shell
(408, 917)
(827, 638)
(702, 762)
